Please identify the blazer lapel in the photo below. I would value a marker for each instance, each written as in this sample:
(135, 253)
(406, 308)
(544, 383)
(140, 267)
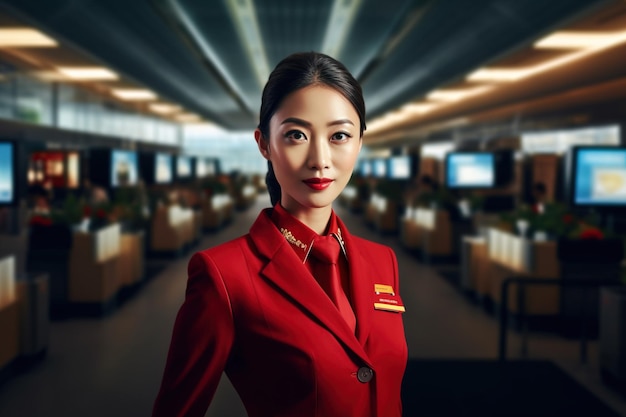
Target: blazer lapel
(303, 290)
(361, 281)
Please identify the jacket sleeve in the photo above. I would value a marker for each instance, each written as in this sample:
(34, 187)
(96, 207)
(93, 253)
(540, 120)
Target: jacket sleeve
(201, 342)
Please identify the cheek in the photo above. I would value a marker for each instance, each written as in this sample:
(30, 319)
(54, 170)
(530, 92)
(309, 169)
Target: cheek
(288, 159)
(346, 158)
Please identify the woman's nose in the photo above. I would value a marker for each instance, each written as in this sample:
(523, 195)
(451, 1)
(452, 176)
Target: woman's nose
(319, 154)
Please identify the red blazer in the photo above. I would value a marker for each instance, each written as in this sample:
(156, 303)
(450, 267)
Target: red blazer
(254, 311)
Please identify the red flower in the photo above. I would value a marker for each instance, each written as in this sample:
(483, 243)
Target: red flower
(100, 213)
(87, 211)
(568, 218)
(592, 233)
(40, 221)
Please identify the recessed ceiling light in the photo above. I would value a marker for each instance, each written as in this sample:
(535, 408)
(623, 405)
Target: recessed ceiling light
(338, 26)
(188, 118)
(134, 94)
(164, 108)
(245, 17)
(24, 38)
(48, 76)
(579, 40)
(418, 108)
(88, 73)
(457, 94)
(498, 74)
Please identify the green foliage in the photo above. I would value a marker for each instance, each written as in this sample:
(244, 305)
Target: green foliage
(131, 206)
(556, 220)
(70, 213)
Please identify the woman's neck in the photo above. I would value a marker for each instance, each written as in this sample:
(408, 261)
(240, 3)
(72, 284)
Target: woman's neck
(315, 218)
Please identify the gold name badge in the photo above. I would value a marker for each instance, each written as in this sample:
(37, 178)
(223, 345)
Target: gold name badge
(384, 289)
(389, 307)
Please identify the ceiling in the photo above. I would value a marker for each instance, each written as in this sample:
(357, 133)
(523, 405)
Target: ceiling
(195, 52)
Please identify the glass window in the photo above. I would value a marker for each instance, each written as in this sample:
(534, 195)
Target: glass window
(237, 151)
(559, 141)
(33, 101)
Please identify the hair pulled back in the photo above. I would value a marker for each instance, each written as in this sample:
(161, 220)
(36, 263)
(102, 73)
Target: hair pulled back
(298, 71)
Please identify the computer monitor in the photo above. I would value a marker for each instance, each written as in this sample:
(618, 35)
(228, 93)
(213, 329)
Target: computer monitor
(596, 177)
(379, 168)
(400, 167)
(200, 167)
(183, 167)
(163, 168)
(124, 168)
(7, 173)
(366, 168)
(470, 170)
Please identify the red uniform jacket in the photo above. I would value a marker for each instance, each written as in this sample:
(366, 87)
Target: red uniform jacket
(254, 311)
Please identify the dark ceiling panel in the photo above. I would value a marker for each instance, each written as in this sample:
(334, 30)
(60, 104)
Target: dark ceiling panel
(374, 24)
(292, 26)
(456, 37)
(145, 40)
(220, 33)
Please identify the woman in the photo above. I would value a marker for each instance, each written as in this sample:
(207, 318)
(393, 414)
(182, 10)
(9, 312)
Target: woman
(297, 335)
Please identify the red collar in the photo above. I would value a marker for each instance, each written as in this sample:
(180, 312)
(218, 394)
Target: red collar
(300, 235)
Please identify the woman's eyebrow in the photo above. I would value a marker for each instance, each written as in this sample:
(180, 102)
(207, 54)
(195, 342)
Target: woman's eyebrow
(304, 123)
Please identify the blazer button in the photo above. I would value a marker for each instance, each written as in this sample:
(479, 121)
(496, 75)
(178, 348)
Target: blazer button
(365, 374)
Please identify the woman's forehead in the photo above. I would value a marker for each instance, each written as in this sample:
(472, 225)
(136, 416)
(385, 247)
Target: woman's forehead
(317, 103)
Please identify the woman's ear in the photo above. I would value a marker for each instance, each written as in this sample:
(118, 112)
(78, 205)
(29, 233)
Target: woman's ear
(262, 143)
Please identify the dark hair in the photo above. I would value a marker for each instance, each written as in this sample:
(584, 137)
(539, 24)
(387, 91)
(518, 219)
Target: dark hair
(298, 71)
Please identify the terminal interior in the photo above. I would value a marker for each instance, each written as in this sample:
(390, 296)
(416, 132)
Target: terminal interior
(493, 164)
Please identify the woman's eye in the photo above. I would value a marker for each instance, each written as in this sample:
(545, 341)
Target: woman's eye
(340, 136)
(296, 135)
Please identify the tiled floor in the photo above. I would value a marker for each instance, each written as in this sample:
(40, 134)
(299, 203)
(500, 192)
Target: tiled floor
(112, 366)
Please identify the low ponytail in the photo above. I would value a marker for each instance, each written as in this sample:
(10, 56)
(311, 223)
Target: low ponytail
(273, 187)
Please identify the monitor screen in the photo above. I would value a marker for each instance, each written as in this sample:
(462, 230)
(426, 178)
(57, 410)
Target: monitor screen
(380, 168)
(201, 167)
(7, 173)
(211, 167)
(470, 170)
(366, 168)
(599, 176)
(183, 167)
(124, 168)
(400, 167)
(163, 168)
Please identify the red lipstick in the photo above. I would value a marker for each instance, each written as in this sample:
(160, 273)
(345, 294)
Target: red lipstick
(318, 184)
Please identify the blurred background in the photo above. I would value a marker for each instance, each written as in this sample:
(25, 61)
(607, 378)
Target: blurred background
(494, 164)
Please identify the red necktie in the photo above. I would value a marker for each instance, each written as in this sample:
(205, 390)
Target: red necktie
(326, 250)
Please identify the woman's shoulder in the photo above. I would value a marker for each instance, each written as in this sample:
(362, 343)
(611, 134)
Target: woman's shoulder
(369, 245)
(227, 249)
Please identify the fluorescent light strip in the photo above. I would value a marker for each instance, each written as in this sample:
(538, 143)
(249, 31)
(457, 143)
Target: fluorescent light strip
(205, 47)
(164, 108)
(576, 40)
(498, 74)
(418, 108)
(244, 16)
(339, 24)
(25, 38)
(48, 76)
(134, 94)
(587, 43)
(88, 73)
(451, 95)
(188, 118)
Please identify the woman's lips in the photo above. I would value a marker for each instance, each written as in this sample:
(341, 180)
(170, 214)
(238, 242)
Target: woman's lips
(318, 183)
